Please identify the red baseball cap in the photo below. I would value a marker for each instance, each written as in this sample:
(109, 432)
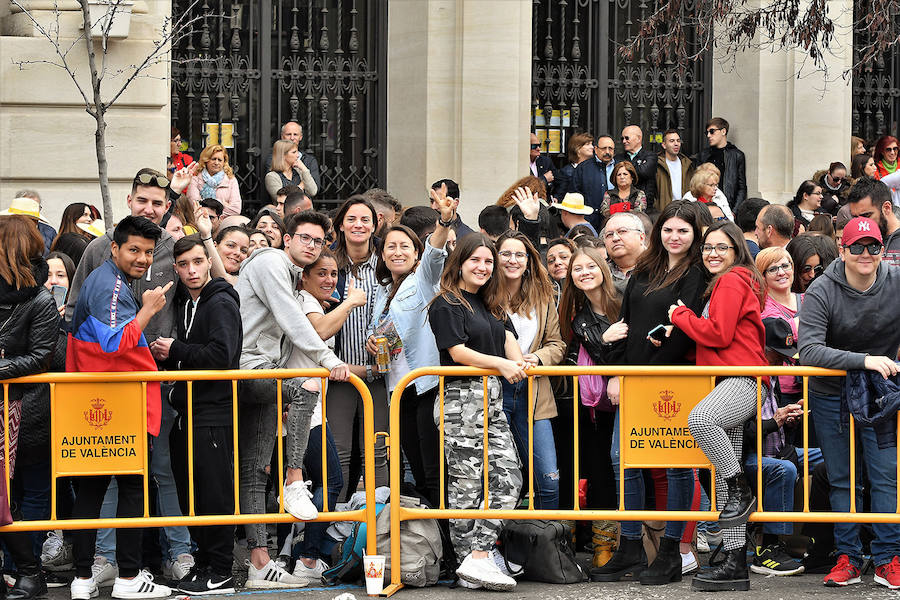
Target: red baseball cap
(859, 228)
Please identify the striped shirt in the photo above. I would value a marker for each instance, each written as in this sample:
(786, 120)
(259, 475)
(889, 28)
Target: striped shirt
(353, 332)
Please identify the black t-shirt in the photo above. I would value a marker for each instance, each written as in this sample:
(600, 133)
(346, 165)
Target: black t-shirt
(478, 329)
(717, 157)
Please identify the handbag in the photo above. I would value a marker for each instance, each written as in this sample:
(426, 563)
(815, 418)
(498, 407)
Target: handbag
(5, 514)
(592, 388)
(544, 550)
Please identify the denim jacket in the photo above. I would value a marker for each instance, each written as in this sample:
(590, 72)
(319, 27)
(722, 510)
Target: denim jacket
(409, 312)
(873, 401)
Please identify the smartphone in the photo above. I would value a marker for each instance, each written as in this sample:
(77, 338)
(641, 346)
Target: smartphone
(658, 333)
(59, 294)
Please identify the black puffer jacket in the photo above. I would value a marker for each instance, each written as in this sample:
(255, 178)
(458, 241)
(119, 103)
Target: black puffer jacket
(29, 325)
(29, 333)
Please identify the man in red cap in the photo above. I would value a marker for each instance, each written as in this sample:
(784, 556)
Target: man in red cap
(848, 321)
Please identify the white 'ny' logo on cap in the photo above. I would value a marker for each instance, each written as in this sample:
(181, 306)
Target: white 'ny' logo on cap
(863, 226)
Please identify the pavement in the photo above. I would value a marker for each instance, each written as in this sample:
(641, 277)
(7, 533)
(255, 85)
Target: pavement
(761, 588)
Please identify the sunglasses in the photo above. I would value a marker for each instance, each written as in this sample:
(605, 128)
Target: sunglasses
(712, 130)
(857, 248)
(891, 149)
(151, 179)
(816, 270)
(535, 146)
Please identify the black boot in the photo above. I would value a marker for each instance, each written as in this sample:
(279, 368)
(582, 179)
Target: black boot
(741, 502)
(28, 587)
(730, 575)
(666, 567)
(628, 559)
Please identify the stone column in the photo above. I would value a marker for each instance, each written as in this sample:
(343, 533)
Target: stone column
(459, 92)
(47, 138)
(788, 126)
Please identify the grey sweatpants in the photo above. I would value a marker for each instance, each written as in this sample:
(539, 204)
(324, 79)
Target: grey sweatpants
(464, 456)
(717, 424)
(257, 429)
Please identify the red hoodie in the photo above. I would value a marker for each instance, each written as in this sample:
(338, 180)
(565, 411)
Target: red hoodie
(733, 335)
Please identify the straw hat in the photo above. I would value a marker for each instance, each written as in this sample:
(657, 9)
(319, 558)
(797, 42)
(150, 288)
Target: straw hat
(23, 206)
(96, 227)
(573, 202)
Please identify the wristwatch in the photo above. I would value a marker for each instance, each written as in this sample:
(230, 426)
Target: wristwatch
(369, 377)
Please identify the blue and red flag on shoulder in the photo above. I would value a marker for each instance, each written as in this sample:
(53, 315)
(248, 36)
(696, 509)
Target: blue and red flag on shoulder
(105, 335)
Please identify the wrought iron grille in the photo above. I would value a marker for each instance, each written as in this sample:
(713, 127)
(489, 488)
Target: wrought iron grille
(251, 66)
(576, 68)
(876, 89)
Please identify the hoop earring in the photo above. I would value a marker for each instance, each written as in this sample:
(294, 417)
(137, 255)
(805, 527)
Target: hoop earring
(460, 273)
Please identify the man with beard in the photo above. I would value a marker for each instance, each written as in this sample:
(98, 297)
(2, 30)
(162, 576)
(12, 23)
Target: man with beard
(871, 198)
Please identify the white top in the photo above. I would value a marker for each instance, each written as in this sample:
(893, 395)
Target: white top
(526, 328)
(720, 200)
(892, 180)
(399, 368)
(807, 214)
(299, 360)
(675, 176)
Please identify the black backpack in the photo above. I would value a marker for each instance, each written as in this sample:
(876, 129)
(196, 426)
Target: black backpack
(544, 550)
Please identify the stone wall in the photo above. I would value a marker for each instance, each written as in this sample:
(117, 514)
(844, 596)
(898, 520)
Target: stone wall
(47, 137)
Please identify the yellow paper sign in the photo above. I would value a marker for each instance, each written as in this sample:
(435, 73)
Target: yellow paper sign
(217, 134)
(98, 428)
(653, 421)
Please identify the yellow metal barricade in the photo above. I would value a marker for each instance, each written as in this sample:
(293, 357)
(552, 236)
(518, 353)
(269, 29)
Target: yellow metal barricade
(673, 401)
(98, 399)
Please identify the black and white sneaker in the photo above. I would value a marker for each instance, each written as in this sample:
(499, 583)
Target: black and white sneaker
(271, 576)
(207, 584)
(139, 587)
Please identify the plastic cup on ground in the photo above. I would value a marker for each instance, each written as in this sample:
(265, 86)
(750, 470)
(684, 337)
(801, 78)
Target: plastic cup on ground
(373, 569)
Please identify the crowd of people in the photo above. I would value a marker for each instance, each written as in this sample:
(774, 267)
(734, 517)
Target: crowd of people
(612, 259)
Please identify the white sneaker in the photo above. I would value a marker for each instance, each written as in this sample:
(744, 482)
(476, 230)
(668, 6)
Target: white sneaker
(179, 568)
(84, 589)
(312, 575)
(688, 563)
(142, 586)
(702, 543)
(465, 584)
(507, 567)
(272, 576)
(104, 573)
(484, 571)
(298, 501)
(56, 554)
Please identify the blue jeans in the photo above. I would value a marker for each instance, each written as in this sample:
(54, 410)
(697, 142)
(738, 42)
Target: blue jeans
(546, 473)
(881, 466)
(314, 533)
(679, 496)
(779, 479)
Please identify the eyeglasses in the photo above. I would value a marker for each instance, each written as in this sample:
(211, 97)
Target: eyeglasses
(625, 138)
(308, 240)
(621, 231)
(816, 270)
(786, 267)
(535, 146)
(151, 179)
(719, 248)
(712, 130)
(857, 248)
(519, 256)
(722, 218)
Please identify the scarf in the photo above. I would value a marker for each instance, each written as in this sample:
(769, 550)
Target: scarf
(774, 442)
(210, 183)
(889, 167)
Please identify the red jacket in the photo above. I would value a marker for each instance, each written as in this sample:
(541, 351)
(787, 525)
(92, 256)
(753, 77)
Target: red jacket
(733, 335)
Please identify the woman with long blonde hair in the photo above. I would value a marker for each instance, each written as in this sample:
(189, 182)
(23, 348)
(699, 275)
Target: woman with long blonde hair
(288, 169)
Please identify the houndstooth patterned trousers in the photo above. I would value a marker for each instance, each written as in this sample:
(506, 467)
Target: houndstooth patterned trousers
(717, 424)
(464, 454)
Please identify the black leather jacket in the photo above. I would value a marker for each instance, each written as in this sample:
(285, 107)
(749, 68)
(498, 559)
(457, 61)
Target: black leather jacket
(29, 325)
(645, 165)
(734, 180)
(588, 328)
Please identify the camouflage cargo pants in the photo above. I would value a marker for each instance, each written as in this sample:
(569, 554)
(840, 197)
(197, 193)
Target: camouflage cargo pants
(464, 451)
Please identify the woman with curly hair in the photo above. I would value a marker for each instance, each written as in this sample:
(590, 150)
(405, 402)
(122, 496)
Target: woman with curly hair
(214, 178)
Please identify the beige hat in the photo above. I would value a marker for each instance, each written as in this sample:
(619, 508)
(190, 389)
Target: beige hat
(573, 202)
(23, 206)
(96, 227)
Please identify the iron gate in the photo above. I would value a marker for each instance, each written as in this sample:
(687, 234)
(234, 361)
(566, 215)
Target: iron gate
(876, 88)
(581, 83)
(249, 66)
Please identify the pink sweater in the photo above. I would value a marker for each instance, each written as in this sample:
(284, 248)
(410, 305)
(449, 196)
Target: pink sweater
(227, 193)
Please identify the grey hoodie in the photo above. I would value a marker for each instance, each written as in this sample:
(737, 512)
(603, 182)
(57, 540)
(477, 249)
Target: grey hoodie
(161, 272)
(839, 325)
(270, 311)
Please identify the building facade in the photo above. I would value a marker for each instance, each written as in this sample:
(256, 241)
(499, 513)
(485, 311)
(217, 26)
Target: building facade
(400, 93)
